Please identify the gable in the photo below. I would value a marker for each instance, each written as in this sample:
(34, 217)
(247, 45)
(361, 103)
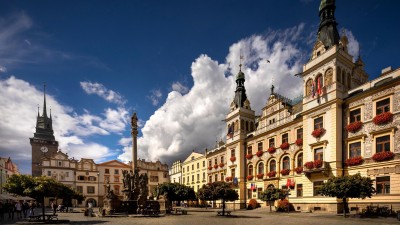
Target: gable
(114, 163)
(193, 156)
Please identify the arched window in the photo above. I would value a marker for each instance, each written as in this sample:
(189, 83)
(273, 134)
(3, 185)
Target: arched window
(328, 76)
(344, 77)
(241, 124)
(286, 162)
(349, 80)
(300, 160)
(250, 172)
(272, 165)
(319, 79)
(261, 168)
(309, 87)
(247, 126)
(271, 186)
(236, 125)
(339, 75)
(251, 126)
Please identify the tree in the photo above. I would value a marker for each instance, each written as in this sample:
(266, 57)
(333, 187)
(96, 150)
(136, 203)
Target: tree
(272, 194)
(352, 186)
(218, 190)
(175, 192)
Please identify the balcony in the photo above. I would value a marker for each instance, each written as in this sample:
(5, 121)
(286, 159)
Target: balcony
(314, 167)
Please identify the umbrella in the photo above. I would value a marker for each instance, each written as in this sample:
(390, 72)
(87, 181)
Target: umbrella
(7, 196)
(24, 198)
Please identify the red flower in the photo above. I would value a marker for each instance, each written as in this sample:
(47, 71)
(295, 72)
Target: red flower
(309, 165)
(210, 168)
(271, 174)
(383, 118)
(221, 165)
(271, 150)
(318, 132)
(233, 159)
(299, 169)
(259, 153)
(249, 156)
(260, 176)
(383, 156)
(354, 126)
(216, 166)
(318, 163)
(250, 177)
(285, 172)
(227, 179)
(299, 142)
(285, 146)
(354, 161)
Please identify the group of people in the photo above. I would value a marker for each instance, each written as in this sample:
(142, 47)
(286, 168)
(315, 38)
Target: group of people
(20, 208)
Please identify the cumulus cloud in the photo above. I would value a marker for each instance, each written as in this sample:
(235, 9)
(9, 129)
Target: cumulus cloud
(103, 92)
(194, 120)
(179, 87)
(353, 46)
(155, 96)
(3, 69)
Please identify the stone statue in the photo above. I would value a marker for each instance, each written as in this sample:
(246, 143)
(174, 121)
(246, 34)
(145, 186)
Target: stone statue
(125, 179)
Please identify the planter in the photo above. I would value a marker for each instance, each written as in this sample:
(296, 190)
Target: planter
(383, 156)
(233, 159)
(383, 118)
(250, 177)
(299, 142)
(318, 132)
(215, 166)
(354, 161)
(285, 146)
(221, 165)
(210, 168)
(271, 174)
(285, 172)
(354, 127)
(309, 165)
(260, 176)
(271, 150)
(228, 179)
(249, 156)
(318, 163)
(259, 153)
(299, 169)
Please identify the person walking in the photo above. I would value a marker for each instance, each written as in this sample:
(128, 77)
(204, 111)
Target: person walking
(1, 211)
(25, 207)
(31, 208)
(54, 207)
(10, 209)
(18, 209)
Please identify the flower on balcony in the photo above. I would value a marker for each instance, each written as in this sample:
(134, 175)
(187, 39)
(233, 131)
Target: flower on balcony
(221, 165)
(259, 153)
(227, 179)
(383, 118)
(260, 176)
(233, 159)
(299, 169)
(299, 142)
(354, 161)
(271, 173)
(354, 126)
(309, 165)
(318, 163)
(383, 156)
(250, 177)
(318, 132)
(215, 166)
(271, 150)
(210, 168)
(285, 146)
(285, 172)
(249, 156)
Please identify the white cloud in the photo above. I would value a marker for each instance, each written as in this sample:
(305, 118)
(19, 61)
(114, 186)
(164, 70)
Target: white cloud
(102, 91)
(353, 46)
(155, 96)
(179, 87)
(3, 69)
(115, 120)
(194, 120)
(89, 151)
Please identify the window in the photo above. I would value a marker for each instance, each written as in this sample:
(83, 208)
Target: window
(259, 191)
(116, 190)
(309, 87)
(209, 162)
(116, 171)
(355, 149)
(81, 177)
(299, 190)
(319, 154)
(222, 177)
(90, 189)
(192, 166)
(286, 162)
(249, 150)
(188, 181)
(318, 123)
(107, 171)
(383, 143)
(355, 115)
(116, 179)
(187, 169)
(183, 180)
(192, 178)
(317, 186)
(79, 189)
(153, 178)
(66, 174)
(59, 163)
(165, 175)
(232, 152)
(106, 179)
(272, 165)
(383, 106)
(204, 163)
(183, 169)
(285, 138)
(198, 165)
(215, 161)
(49, 173)
(382, 185)
(260, 146)
(250, 172)
(300, 159)
(204, 176)
(233, 172)
(222, 159)
(209, 179)
(216, 177)
(300, 133)
(198, 177)
(272, 121)
(92, 178)
(271, 142)
(261, 168)
(249, 193)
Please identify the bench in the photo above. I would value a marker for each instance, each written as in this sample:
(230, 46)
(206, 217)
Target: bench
(180, 211)
(227, 213)
(48, 217)
(150, 212)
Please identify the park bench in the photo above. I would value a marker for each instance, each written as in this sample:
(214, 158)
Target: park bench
(48, 217)
(180, 211)
(150, 212)
(227, 213)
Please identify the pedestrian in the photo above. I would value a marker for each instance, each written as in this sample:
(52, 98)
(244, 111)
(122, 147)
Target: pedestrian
(1, 211)
(18, 209)
(25, 207)
(31, 208)
(10, 209)
(54, 207)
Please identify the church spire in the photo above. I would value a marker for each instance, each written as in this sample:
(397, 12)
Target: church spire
(44, 101)
(240, 92)
(327, 31)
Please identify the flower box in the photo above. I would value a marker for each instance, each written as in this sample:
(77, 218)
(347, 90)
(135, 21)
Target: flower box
(299, 169)
(383, 118)
(318, 163)
(259, 153)
(309, 165)
(285, 146)
(354, 127)
(215, 166)
(271, 174)
(221, 165)
(233, 159)
(250, 177)
(285, 172)
(227, 179)
(271, 150)
(299, 142)
(383, 156)
(260, 176)
(318, 132)
(210, 168)
(354, 161)
(249, 156)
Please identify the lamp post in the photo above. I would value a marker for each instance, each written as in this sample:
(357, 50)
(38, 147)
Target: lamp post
(98, 189)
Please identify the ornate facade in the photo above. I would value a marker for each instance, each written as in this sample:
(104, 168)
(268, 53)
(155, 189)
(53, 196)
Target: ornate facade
(194, 171)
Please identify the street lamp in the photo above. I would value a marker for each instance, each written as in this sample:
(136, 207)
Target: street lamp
(98, 189)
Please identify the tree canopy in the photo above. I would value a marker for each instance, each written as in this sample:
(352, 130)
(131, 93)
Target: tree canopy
(272, 194)
(216, 191)
(176, 192)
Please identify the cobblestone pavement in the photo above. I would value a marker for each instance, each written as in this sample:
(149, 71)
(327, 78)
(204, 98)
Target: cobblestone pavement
(209, 217)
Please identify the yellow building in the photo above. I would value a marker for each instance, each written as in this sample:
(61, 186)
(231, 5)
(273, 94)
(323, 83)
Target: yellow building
(194, 171)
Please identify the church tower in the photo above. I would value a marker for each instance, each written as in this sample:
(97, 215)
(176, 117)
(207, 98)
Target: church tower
(134, 133)
(43, 142)
(240, 121)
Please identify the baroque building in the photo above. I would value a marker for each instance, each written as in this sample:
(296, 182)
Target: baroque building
(175, 172)
(194, 171)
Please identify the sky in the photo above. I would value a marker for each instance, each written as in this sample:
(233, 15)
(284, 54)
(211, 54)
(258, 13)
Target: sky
(172, 62)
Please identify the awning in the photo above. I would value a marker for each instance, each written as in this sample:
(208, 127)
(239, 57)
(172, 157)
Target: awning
(7, 197)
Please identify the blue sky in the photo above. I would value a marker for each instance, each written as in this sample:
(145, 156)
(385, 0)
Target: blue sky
(170, 61)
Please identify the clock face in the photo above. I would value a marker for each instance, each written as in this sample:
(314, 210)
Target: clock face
(44, 149)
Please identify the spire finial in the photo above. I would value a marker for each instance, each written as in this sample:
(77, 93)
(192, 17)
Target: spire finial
(241, 57)
(50, 112)
(38, 110)
(44, 101)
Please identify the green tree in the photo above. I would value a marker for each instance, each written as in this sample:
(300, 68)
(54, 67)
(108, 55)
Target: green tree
(352, 186)
(218, 190)
(175, 192)
(272, 194)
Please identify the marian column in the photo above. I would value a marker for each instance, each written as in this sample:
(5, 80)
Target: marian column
(134, 132)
